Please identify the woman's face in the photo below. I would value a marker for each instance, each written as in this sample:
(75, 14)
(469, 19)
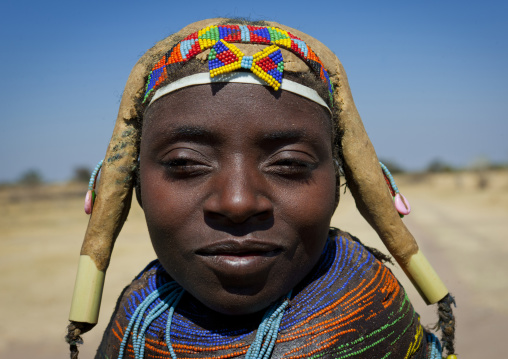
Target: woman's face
(238, 189)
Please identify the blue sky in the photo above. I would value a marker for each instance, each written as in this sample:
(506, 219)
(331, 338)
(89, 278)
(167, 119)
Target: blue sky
(429, 78)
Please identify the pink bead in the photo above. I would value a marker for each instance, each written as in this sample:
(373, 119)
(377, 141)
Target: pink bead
(402, 204)
(88, 202)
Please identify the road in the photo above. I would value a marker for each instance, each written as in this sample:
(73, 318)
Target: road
(462, 230)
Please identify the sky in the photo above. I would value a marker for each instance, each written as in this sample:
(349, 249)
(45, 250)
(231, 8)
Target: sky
(429, 78)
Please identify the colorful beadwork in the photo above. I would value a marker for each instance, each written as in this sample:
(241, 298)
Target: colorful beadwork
(90, 194)
(225, 57)
(351, 306)
(401, 203)
(267, 332)
(266, 64)
(148, 311)
(142, 319)
(434, 350)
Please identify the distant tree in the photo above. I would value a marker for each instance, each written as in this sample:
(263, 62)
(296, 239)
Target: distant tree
(392, 166)
(438, 166)
(82, 174)
(481, 163)
(499, 166)
(31, 178)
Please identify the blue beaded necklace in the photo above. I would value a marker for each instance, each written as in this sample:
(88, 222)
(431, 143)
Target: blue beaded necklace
(169, 295)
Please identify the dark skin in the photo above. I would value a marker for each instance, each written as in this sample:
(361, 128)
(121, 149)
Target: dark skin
(238, 189)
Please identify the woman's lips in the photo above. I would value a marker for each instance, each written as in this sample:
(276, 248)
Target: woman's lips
(239, 257)
(238, 247)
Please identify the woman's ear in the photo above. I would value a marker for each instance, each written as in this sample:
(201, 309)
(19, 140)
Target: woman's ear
(138, 195)
(137, 186)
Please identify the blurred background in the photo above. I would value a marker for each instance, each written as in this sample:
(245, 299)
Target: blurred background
(429, 80)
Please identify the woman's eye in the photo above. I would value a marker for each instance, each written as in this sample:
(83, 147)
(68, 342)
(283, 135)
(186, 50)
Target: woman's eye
(289, 167)
(185, 167)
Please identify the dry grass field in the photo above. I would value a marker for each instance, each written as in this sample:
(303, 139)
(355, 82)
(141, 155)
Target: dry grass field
(462, 229)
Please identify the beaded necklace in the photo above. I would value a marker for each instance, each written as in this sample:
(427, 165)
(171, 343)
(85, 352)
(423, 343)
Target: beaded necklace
(350, 306)
(167, 297)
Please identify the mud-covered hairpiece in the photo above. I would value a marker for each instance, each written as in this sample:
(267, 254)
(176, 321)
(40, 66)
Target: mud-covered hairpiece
(361, 167)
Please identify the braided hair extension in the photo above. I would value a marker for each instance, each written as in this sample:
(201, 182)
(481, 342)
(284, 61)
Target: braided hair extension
(73, 337)
(446, 323)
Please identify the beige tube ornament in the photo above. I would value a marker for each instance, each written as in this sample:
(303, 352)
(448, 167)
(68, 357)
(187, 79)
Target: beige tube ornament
(361, 167)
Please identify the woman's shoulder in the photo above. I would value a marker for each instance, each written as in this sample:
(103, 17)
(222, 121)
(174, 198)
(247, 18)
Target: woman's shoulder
(352, 306)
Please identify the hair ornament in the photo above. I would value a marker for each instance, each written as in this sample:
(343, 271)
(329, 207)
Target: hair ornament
(225, 57)
(266, 64)
(401, 203)
(90, 194)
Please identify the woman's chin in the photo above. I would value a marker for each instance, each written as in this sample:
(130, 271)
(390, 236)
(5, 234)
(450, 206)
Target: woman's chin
(239, 301)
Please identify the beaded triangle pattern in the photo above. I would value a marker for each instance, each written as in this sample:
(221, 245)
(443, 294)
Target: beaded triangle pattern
(266, 64)
(219, 38)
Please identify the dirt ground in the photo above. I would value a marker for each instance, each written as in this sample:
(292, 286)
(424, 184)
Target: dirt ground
(461, 228)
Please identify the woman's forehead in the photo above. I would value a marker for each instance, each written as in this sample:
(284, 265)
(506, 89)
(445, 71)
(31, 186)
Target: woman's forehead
(228, 102)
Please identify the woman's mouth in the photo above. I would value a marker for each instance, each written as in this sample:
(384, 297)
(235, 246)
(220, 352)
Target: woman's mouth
(239, 257)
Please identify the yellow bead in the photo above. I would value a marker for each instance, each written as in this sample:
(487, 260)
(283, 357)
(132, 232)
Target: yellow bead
(451, 356)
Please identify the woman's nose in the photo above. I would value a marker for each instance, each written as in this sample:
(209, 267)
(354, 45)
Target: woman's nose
(239, 194)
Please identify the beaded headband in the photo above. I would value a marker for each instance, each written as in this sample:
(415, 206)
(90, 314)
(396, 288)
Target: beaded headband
(225, 57)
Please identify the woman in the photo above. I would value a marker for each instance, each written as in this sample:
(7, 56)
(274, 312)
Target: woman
(240, 130)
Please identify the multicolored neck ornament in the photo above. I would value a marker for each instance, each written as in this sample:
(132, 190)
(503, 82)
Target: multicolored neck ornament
(224, 57)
